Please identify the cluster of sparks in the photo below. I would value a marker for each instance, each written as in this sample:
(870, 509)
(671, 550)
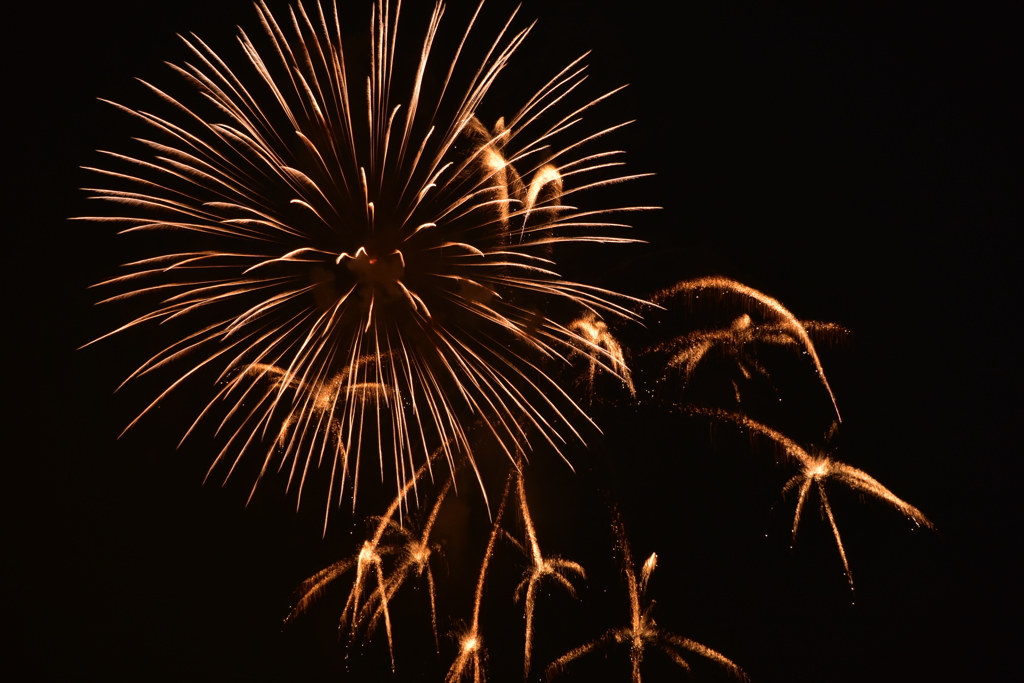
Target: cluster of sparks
(385, 289)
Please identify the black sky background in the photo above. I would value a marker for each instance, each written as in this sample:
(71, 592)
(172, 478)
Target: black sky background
(860, 164)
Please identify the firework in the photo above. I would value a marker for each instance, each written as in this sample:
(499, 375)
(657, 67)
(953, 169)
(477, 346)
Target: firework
(366, 244)
(737, 342)
(415, 554)
(642, 631)
(369, 565)
(783, 328)
(472, 655)
(541, 568)
(817, 467)
(600, 347)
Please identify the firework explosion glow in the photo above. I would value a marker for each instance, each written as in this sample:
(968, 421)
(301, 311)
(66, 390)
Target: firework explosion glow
(402, 250)
(784, 329)
(377, 294)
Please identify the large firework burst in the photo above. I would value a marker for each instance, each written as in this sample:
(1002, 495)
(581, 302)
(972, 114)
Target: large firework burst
(369, 266)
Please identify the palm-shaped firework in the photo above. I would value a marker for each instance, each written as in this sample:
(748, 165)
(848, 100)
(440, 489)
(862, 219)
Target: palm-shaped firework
(363, 607)
(414, 553)
(642, 632)
(738, 343)
(323, 226)
(818, 468)
(541, 568)
(775, 326)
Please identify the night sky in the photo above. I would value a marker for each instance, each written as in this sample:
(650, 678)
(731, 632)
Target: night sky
(860, 165)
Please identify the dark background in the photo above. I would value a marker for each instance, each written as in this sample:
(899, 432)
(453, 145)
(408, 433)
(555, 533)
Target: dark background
(862, 165)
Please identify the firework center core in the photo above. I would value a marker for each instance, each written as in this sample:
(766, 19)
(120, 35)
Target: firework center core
(383, 270)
